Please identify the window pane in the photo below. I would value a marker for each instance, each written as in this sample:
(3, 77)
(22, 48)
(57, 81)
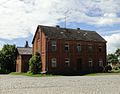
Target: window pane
(54, 63)
(78, 47)
(66, 47)
(67, 62)
(90, 48)
(100, 62)
(100, 49)
(53, 45)
(90, 63)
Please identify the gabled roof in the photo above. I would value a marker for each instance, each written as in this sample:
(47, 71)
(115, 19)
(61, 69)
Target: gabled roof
(69, 34)
(24, 51)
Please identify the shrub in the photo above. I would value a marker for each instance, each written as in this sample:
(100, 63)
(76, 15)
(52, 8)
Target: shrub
(35, 64)
(108, 68)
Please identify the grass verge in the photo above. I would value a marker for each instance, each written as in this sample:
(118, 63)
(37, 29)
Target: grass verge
(32, 75)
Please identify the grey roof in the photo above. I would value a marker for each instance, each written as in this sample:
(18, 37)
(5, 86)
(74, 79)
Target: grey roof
(69, 34)
(24, 51)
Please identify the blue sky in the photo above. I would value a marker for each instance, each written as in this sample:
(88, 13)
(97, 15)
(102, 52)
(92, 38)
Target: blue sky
(19, 18)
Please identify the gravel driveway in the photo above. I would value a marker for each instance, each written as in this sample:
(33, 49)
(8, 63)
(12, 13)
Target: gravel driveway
(60, 85)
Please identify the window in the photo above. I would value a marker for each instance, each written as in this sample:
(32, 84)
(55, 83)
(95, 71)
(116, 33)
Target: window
(67, 62)
(100, 49)
(100, 62)
(54, 63)
(90, 62)
(53, 44)
(66, 47)
(78, 47)
(90, 48)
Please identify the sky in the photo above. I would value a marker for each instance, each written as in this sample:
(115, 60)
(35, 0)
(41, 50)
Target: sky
(20, 18)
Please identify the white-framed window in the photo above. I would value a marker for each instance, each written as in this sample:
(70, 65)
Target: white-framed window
(66, 47)
(100, 62)
(90, 48)
(53, 62)
(78, 47)
(67, 62)
(90, 61)
(53, 44)
(100, 48)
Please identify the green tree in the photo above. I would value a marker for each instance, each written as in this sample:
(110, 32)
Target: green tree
(35, 64)
(112, 58)
(117, 53)
(8, 58)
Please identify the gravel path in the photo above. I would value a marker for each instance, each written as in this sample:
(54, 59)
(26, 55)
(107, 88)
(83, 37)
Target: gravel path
(60, 85)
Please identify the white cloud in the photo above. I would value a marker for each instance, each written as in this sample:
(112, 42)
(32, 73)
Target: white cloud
(19, 18)
(113, 42)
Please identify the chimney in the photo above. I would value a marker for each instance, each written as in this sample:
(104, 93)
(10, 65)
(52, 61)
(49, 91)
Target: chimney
(57, 26)
(26, 45)
(78, 28)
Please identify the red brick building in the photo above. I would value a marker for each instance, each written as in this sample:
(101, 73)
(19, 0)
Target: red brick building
(23, 56)
(69, 50)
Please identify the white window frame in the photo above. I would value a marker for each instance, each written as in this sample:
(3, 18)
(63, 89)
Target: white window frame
(90, 61)
(78, 47)
(90, 47)
(100, 62)
(53, 62)
(54, 45)
(66, 45)
(67, 62)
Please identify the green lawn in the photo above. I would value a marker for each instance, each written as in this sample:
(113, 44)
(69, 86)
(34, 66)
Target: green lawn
(32, 75)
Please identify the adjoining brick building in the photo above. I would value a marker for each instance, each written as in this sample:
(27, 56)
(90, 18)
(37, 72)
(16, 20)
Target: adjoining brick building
(69, 50)
(22, 60)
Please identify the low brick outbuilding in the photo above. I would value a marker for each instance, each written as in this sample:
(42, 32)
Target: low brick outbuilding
(23, 56)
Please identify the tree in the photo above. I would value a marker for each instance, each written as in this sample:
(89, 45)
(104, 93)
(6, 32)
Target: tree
(112, 58)
(8, 58)
(117, 53)
(35, 64)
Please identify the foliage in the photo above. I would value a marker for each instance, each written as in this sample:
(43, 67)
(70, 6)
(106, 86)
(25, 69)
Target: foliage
(35, 64)
(117, 52)
(7, 58)
(108, 68)
(112, 58)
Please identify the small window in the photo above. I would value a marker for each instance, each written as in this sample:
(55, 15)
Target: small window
(67, 62)
(90, 62)
(54, 63)
(66, 47)
(100, 62)
(100, 49)
(90, 48)
(53, 44)
(78, 48)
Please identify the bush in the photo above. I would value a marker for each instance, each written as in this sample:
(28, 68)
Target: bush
(108, 68)
(35, 64)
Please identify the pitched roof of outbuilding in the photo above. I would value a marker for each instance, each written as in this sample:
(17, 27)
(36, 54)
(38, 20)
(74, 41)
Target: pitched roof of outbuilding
(24, 51)
(69, 34)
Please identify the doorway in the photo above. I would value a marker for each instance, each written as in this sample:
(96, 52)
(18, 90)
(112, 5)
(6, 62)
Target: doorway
(79, 64)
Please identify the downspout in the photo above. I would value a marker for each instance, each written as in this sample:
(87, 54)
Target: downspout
(47, 40)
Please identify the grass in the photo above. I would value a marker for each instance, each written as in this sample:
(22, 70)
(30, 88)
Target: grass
(32, 75)
(113, 72)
